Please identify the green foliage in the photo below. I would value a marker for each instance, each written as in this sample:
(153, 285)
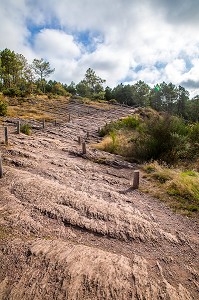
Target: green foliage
(91, 86)
(156, 137)
(3, 108)
(163, 138)
(127, 123)
(26, 129)
(186, 186)
(182, 186)
(42, 68)
(14, 92)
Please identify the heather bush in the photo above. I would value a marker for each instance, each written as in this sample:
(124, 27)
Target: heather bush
(3, 108)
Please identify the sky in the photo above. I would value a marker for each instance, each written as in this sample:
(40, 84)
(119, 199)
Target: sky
(123, 41)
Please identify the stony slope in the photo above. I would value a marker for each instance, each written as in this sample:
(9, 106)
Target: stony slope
(72, 228)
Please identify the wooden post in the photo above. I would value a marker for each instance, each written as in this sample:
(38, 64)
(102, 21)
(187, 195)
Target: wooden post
(43, 123)
(6, 135)
(79, 140)
(1, 168)
(18, 127)
(55, 122)
(84, 148)
(69, 118)
(136, 179)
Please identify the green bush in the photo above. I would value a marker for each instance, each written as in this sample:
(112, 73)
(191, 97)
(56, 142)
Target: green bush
(194, 133)
(26, 129)
(162, 138)
(3, 108)
(129, 122)
(12, 92)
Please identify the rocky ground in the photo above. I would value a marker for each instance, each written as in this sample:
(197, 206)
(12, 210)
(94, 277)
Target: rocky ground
(71, 226)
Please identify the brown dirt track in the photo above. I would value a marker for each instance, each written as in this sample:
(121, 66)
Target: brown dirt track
(71, 227)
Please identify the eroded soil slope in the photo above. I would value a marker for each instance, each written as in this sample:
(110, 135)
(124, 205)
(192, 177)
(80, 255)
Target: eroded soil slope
(72, 228)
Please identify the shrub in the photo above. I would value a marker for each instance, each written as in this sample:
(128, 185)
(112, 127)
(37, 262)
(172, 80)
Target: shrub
(113, 101)
(129, 122)
(162, 138)
(3, 108)
(26, 129)
(12, 92)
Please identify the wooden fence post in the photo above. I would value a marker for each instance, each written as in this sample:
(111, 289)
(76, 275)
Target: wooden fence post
(6, 135)
(79, 140)
(55, 123)
(18, 127)
(1, 168)
(84, 148)
(136, 179)
(43, 123)
(69, 118)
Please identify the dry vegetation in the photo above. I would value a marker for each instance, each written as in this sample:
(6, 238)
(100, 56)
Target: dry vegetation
(179, 189)
(36, 108)
(72, 228)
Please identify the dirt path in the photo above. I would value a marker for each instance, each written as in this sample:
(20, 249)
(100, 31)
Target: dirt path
(71, 227)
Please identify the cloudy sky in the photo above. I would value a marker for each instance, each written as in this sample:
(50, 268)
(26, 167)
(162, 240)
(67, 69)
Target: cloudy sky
(122, 40)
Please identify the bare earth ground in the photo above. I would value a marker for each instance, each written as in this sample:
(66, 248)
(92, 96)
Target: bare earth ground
(71, 227)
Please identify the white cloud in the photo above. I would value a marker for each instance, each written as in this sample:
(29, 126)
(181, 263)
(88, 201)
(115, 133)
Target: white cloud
(56, 43)
(123, 35)
(174, 70)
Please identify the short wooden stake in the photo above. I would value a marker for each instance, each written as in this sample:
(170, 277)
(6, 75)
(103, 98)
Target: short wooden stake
(69, 118)
(1, 168)
(84, 148)
(18, 127)
(43, 123)
(6, 135)
(136, 179)
(79, 140)
(55, 123)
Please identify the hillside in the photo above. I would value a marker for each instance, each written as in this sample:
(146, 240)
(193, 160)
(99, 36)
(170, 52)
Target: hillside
(72, 227)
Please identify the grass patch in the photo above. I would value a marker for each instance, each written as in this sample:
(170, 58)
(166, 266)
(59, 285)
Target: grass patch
(125, 124)
(26, 129)
(178, 188)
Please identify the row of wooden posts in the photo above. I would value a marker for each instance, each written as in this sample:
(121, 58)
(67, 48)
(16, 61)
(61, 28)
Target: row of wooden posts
(136, 172)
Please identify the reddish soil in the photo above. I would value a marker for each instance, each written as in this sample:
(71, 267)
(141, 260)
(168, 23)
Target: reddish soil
(71, 226)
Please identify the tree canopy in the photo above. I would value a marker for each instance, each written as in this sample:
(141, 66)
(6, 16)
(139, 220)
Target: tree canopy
(18, 77)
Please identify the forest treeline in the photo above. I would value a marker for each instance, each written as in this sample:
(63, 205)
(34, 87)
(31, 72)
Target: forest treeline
(19, 78)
